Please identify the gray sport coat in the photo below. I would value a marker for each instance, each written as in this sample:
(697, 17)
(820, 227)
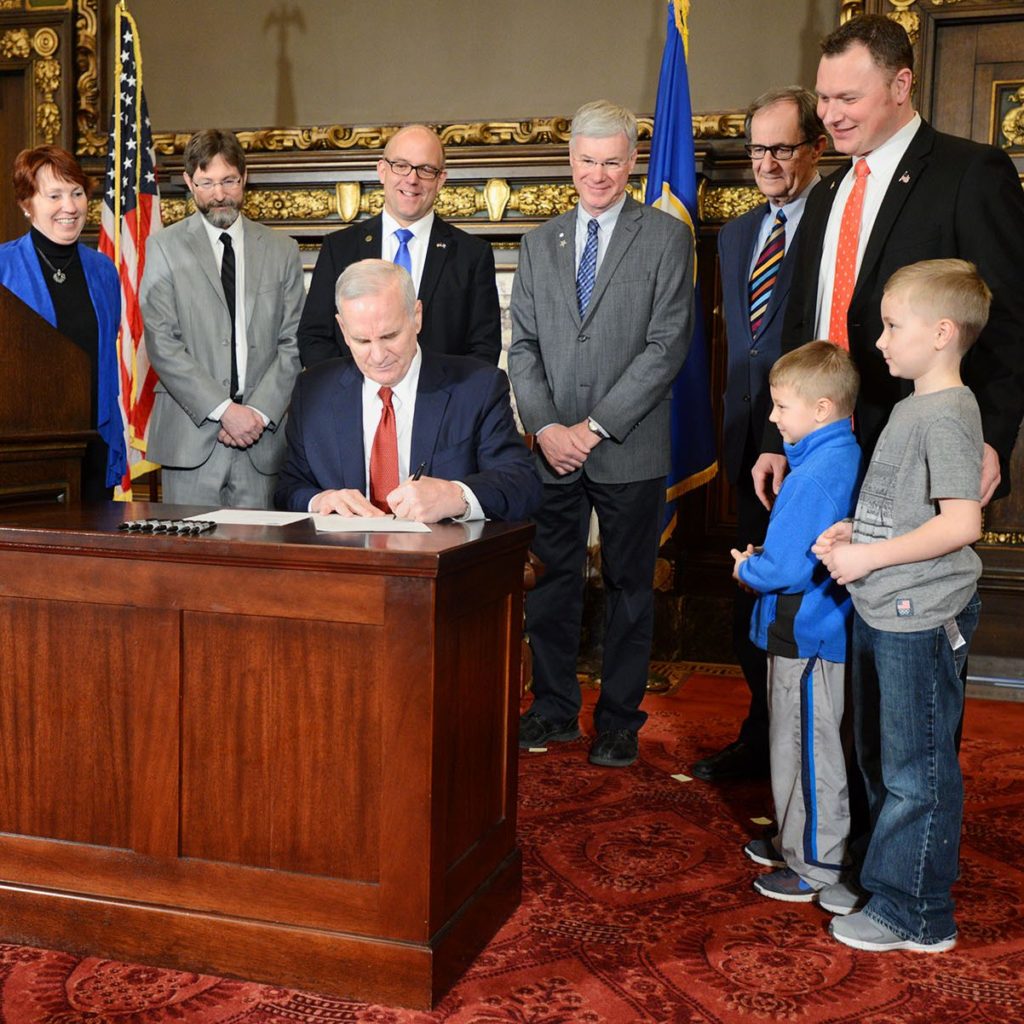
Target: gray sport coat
(618, 363)
(188, 334)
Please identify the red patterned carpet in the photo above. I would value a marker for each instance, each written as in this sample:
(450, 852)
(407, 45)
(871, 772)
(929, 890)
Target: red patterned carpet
(638, 907)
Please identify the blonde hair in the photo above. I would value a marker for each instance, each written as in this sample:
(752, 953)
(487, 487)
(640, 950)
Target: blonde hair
(945, 290)
(816, 370)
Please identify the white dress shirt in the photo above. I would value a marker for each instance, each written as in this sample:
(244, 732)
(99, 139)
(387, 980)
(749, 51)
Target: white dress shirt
(794, 211)
(883, 163)
(403, 401)
(605, 226)
(417, 244)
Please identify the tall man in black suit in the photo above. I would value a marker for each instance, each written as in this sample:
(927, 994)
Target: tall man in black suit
(927, 196)
(453, 271)
(785, 140)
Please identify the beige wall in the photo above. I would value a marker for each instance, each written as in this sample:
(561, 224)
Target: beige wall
(387, 61)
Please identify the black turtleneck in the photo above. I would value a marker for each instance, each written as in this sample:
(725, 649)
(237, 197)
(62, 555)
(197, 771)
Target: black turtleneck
(76, 319)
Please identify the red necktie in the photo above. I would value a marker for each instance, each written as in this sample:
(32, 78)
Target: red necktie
(384, 455)
(846, 257)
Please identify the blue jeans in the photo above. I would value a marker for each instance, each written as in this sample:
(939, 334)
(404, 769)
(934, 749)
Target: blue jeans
(907, 702)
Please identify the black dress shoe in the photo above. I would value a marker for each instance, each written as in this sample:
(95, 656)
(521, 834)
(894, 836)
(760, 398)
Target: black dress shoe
(739, 760)
(535, 730)
(617, 748)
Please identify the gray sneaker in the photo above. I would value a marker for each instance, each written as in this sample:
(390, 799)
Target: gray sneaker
(861, 932)
(842, 898)
(762, 851)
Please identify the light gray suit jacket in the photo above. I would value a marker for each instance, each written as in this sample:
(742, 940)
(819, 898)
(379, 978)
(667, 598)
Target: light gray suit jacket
(188, 336)
(618, 363)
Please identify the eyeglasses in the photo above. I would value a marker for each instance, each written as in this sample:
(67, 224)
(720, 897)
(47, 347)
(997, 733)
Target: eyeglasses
(611, 166)
(780, 152)
(225, 183)
(426, 172)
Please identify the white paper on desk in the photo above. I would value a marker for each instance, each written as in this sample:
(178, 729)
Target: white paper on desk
(251, 517)
(366, 524)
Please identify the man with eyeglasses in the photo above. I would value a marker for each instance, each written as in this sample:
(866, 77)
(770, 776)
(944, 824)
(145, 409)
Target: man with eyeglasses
(453, 271)
(785, 140)
(602, 314)
(221, 297)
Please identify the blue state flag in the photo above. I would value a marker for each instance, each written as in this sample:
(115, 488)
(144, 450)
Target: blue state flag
(672, 187)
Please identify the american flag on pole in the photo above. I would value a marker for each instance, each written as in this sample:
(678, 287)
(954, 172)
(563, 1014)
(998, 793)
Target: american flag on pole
(131, 211)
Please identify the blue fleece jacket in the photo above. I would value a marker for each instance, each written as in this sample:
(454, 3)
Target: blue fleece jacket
(802, 612)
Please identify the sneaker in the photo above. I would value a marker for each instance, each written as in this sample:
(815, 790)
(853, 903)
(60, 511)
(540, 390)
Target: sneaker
(738, 760)
(762, 851)
(535, 730)
(862, 932)
(842, 898)
(617, 748)
(786, 885)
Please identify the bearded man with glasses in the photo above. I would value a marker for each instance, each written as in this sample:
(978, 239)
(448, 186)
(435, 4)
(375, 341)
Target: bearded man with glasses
(453, 271)
(221, 298)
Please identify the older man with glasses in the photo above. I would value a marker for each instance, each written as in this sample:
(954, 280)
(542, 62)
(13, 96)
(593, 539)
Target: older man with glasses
(221, 298)
(452, 270)
(785, 141)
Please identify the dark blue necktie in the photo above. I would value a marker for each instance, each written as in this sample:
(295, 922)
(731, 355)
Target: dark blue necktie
(402, 257)
(588, 268)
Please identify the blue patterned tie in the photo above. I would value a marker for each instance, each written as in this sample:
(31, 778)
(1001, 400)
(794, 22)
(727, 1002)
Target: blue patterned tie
(588, 268)
(766, 272)
(402, 257)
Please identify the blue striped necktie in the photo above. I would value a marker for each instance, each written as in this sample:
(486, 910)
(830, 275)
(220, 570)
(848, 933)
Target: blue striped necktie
(766, 272)
(588, 268)
(402, 257)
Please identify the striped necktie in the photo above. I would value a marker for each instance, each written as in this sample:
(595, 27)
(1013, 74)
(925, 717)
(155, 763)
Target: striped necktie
(766, 272)
(845, 276)
(588, 268)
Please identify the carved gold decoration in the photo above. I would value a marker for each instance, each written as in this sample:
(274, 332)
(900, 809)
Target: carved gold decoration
(849, 9)
(542, 200)
(460, 201)
(1012, 538)
(173, 210)
(45, 42)
(1012, 126)
(12, 5)
(288, 204)
(721, 204)
(48, 121)
(14, 43)
(496, 197)
(90, 141)
(910, 20)
(347, 198)
(719, 126)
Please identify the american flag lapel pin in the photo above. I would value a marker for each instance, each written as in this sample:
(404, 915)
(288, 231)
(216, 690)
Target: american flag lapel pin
(440, 245)
(561, 239)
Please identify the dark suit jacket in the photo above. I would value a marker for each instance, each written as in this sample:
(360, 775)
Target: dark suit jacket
(949, 197)
(458, 291)
(462, 429)
(747, 398)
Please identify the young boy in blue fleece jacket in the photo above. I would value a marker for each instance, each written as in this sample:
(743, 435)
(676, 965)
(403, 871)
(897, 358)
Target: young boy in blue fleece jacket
(801, 619)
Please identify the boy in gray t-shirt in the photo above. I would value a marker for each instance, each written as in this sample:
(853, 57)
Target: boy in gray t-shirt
(912, 575)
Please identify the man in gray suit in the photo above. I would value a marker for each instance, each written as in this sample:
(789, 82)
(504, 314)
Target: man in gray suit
(602, 311)
(221, 298)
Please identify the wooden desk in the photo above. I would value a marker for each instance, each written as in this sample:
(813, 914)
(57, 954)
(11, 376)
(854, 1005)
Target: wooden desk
(264, 752)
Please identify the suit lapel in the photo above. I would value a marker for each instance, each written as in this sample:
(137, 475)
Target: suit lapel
(565, 261)
(440, 248)
(626, 229)
(347, 412)
(199, 242)
(255, 254)
(908, 173)
(370, 239)
(432, 397)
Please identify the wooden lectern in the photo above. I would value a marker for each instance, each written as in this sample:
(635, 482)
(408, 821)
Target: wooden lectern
(261, 752)
(45, 399)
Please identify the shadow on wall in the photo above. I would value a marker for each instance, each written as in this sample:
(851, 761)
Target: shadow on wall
(286, 16)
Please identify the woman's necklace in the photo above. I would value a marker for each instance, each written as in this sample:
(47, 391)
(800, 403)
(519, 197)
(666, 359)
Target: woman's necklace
(58, 272)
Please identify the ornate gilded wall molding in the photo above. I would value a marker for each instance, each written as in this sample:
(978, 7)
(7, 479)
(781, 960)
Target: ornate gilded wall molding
(910, 20)
(722, 203)
(90, 139)
(12, 5)
(537, 131)
(39, 48)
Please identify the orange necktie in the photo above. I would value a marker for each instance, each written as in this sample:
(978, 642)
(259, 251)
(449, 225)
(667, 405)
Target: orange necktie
(845, 276)
(384, 455)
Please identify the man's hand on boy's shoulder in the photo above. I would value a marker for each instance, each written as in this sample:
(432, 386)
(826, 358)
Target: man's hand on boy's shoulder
(768, 473)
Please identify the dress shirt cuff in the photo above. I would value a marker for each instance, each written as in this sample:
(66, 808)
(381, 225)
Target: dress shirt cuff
(473, 509)
(219, 411)
(262, 415)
